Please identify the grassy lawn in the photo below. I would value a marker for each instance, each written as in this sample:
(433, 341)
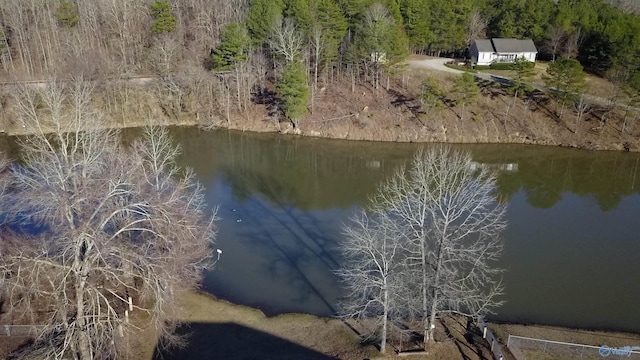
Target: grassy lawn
(596, 86)
(215, 328)
(219, 329)
(575, 336)
(226, 330)
(461, 68)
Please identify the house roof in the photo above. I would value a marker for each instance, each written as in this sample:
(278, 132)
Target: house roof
(484, 45)
(513, 45)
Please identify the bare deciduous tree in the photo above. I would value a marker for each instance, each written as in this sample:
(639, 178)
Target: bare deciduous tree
(476, 27)
(556, 36)
(446, 209)
(572, 43)
(372, 271)
(286, 39)
(318, 44)
(583, 106)
(108, 237)
(164, 54)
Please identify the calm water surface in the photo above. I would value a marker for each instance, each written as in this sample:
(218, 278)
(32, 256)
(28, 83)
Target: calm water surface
(572, 245)
(572, 249)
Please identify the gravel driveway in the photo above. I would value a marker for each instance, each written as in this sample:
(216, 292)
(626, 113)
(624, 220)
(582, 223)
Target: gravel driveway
(433, 64)
(437, 64)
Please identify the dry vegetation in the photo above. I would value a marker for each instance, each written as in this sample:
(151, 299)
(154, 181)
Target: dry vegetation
(204, 315)
(328, 336)
(575, 336)
(595, 85)
(332, 337)
(363, 113)
(355, 110)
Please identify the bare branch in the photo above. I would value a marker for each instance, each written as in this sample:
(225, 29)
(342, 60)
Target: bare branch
(443, 222)
(285, 39)
(99, 224)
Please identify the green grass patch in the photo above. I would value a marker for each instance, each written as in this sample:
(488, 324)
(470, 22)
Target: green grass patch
(502, 66)
(461, 68)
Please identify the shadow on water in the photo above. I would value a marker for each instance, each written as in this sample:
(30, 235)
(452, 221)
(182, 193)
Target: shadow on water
(234, 341)
(292, 251)
(283, 200)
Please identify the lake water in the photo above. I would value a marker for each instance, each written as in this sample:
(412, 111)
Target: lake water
(571, 248)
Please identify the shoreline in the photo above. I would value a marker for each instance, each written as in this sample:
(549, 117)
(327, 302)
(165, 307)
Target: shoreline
(366, 114)
(338, 339)
(218, 327)
(490, 321)
(399, 138)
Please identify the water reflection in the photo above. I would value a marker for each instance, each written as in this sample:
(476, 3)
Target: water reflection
(569, 247)
(275, 258)
(320, 174)
(573, 264)
(305, 173)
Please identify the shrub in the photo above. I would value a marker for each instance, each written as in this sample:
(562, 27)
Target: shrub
(509, 66)
(462, 68)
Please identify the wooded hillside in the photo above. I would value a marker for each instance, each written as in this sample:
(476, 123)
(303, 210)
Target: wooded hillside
(217, 57)
(113, 37)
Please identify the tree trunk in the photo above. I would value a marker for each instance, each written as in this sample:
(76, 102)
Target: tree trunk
(353, 80)
(624, 119)
(83, 345)
(83, 351)
(434, 295)
(383, 341)
(425, 306)
(238, 98)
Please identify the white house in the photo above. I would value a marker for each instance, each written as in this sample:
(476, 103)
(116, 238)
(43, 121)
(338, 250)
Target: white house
(489, 51)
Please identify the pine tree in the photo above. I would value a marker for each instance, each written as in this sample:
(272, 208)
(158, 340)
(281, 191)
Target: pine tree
(416, 18)
(466, 87)
(300, 11)
(334, 26)
(293, 91)
(165, 21)
(234, 42)
(431, 95)
(262, 14)
(67, 15)
(566, 78)
(524, 71)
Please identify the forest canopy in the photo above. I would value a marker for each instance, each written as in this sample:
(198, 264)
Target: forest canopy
(53, 37)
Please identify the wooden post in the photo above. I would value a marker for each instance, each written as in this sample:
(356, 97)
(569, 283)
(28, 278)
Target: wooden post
(126, 316)
(484, 332)
(130, 304)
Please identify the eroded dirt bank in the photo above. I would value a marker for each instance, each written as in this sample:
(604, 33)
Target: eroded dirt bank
(397, 114)
(394, 112)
